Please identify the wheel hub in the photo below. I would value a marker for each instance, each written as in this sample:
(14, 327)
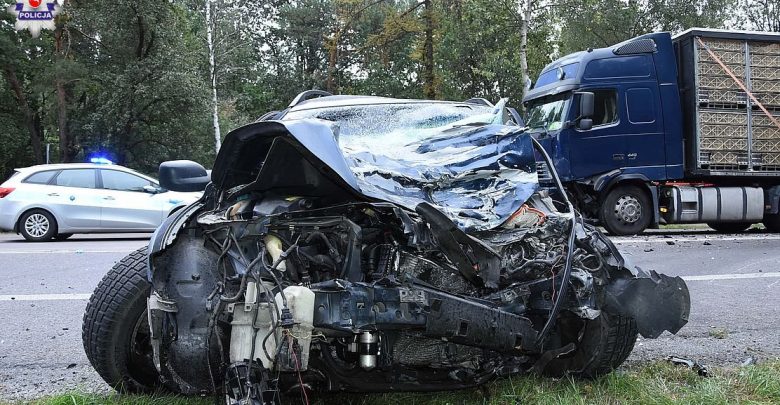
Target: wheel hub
(628, 209)
(36, 225)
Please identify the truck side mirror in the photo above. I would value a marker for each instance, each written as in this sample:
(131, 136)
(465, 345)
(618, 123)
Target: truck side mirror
(183, 175)
(585, 124)
(587, 101)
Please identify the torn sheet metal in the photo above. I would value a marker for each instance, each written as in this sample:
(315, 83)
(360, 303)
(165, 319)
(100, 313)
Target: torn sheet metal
(476, 174)
(656, 301)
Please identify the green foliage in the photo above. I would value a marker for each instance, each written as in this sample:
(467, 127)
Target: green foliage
(599, 23)
(133, 80)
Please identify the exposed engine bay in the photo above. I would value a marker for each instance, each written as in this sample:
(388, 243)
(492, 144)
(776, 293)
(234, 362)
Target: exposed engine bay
(289, 277)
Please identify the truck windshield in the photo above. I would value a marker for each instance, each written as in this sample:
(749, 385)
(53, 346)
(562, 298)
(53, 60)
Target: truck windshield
(547, 113)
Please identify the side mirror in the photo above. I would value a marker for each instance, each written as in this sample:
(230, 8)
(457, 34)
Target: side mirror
(587, 101)
(585, 124)
(151, 189)
(183, 175)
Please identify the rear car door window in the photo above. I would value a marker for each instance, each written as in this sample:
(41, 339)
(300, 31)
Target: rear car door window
(121, 181)
(84, 178)
(40, 177)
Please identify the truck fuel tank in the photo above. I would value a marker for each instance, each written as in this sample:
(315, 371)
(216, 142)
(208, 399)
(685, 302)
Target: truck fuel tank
(689, 204)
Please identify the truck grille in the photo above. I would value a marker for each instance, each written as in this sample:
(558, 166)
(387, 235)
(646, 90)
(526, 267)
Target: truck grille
(543, 172)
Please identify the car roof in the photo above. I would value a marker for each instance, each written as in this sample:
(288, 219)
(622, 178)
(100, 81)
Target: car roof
(60, 166)
(348, 100)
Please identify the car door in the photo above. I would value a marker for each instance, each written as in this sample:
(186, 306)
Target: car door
(127, 204)
(74, 198)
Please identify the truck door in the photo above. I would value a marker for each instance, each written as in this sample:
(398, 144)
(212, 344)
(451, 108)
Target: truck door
(645, 145)
(627, 133)
(602, 148)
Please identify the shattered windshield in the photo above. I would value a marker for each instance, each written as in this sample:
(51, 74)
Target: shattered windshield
(457, 157)
(361, 126)
(548, 113)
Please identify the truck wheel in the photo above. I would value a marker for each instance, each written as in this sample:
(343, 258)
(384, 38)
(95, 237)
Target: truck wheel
(37, 225)
(604, 345)
(772, 222)
(116, 330)
(626, 210)
(729, 227)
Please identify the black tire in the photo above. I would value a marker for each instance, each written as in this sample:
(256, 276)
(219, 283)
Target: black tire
(63, 236)
(729, 227)
(37, 225)
(116, 332)
(772, 222)
(626, 210)
(606, 343)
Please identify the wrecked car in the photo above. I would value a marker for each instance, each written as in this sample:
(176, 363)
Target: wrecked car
(370, 244)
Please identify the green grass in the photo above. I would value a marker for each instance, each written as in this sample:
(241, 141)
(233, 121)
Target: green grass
(654, 383)
(718, 333)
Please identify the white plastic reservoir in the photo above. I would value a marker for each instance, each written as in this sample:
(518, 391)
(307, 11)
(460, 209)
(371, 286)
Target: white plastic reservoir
(300, 300)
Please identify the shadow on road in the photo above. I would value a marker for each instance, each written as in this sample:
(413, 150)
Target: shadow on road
(9, 238)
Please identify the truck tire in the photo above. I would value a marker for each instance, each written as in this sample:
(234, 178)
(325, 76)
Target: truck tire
(772, 222)
(729, 227)
(626, 210)
(606, 343)
(115, 332)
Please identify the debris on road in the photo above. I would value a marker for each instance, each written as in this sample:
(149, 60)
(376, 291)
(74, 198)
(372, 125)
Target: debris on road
(693, 365)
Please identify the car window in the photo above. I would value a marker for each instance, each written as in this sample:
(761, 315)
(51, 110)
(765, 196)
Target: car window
(84, 178)
(116, 180)
(40, 177)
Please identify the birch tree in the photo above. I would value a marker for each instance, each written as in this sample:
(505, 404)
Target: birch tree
(524, 11)
(213, 76)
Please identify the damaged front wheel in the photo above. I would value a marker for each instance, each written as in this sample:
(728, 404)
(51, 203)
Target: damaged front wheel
(116, 331)
(602, 344)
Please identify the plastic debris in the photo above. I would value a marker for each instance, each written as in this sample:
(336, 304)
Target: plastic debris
(700, 369)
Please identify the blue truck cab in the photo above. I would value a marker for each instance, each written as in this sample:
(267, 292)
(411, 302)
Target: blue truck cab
(622, 126)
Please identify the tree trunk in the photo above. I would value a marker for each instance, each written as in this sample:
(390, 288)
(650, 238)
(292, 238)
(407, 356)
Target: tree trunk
(66, 146)
(429, 79)
(213, 78)
(525, 13)
(67, 149)
(31, 118)
(333, 54)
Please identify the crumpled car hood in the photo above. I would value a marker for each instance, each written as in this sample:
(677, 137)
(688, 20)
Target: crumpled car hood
(477, 175)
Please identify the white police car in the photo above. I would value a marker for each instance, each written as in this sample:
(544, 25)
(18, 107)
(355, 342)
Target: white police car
(55, 201)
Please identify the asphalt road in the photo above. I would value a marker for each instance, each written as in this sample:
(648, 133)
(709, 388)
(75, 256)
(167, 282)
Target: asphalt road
(734, 282)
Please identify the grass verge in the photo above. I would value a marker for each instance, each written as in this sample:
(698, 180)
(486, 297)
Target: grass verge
(654, 383)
